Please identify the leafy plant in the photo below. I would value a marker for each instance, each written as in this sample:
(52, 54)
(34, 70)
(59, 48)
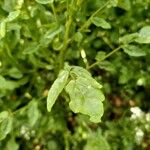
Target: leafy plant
(71, 72)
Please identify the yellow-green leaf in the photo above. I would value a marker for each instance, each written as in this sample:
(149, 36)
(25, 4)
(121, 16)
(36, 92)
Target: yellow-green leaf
(100, 22)
(133, 50)
(144, 35)
(85, 99)
(5, 124)
(12, 15)
(57, 88)
(2, 29)
(44, 1)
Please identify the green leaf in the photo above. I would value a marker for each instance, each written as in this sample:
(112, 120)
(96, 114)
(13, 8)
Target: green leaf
(144, 35)
(44, 1)
(12, 15)
(77, 71)
(85, 99)
(9, 5)
(57, 44)
(54, 30)
(15, 73)
(3, 115)
(113, 3)
(100, 22)
(108, 66)
(7, 85)
(129, 38)
(96, 141)
(100, 56)
(10, 84)
(125, 75)
(57, 88)
(33, 112)
(78, 37)
(133, 50)
(125, 4)
(5, 124)
(31, 48)
(2, 29)
(12, 144)
(80, 71)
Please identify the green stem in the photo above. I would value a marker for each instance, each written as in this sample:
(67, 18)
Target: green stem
(67, 147)
(66, 41)
(108, 55)
(20, 109)
(88, 22)
(105, 39)
(54, 12)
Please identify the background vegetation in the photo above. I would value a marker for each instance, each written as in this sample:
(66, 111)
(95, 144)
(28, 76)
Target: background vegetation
(109, 38)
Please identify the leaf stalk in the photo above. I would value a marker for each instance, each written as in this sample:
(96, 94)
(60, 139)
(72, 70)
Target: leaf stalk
(108, 55)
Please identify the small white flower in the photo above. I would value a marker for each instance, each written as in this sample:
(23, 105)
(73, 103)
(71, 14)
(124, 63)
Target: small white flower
(136, 112)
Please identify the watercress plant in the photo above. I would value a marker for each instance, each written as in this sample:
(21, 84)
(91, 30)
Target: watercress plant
(73, 73)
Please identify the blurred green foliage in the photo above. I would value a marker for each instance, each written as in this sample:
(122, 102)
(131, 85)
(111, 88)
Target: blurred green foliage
(109, 38)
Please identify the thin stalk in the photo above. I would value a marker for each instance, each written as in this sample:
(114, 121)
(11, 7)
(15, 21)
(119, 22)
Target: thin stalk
(20, 109)
(105, 39)
(108, 55)
(87, 23)
(67, 146)
(54, 12)
(66, 41)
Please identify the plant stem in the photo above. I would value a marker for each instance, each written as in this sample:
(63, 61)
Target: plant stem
(67, 147)
(88, 22)
(108, 55)
(54, 12)
(66, 41)
(20, 109)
